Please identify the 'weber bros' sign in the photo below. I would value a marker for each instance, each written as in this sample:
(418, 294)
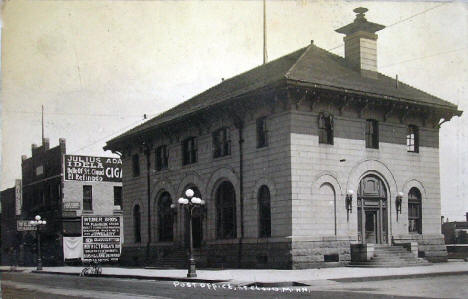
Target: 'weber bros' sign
(92, 169)
(101, 238)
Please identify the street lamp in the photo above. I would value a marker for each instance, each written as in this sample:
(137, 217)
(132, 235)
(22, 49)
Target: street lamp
(37, 223)
(190, 202)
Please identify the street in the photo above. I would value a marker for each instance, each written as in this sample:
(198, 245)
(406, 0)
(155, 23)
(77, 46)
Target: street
(31, 285)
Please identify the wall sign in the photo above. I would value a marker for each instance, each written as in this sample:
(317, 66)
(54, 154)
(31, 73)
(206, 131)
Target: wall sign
(92, 169)
(24, 225)
(71, 206)
(18, 197)
(101, 238)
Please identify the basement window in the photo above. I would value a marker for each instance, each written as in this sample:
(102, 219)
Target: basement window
(331, 258)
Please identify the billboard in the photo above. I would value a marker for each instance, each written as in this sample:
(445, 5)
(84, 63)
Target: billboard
(92, 169)
(101, 238)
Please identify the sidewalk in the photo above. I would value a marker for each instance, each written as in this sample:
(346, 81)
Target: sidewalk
(242, 276)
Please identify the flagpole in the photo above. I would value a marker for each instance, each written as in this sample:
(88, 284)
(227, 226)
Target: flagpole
(265, 56)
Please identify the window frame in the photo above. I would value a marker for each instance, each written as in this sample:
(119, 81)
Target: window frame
(415, 204)
(87, 200)
(264, 212)
(221, 143)
(189, 150)
(372, 134)
(412, 139)
(117, 200)
(225, 209)
(136, 165)
(161, 157)
(165, 234)
(136, 223)
(326, 128)
(262, 132)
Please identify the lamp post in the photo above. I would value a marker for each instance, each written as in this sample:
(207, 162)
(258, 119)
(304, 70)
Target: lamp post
(398, 201)
(37, 223)
(349, 203)
(189, 203)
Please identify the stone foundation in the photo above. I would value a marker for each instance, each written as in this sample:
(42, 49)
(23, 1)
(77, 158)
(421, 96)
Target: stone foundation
(430, 247)
(320, 254)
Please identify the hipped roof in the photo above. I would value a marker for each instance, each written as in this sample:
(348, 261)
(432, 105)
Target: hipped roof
(310, 65)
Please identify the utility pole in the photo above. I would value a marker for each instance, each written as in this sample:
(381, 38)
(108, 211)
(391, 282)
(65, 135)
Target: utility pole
(265, 56)
(42, 122)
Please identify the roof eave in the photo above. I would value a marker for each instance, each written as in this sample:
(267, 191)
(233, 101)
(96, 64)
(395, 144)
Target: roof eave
(452, 108)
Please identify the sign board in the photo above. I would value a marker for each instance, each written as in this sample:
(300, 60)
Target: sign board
(18, 197)
(71, 205)
(24, 225)
(92, 169)
(101, 238)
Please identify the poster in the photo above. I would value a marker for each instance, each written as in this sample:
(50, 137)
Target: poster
(101, 238)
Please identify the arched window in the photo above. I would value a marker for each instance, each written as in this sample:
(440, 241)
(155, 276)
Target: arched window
(137, 224)
(165, 219)
(264, 212)
(226, 211)
(414, 211)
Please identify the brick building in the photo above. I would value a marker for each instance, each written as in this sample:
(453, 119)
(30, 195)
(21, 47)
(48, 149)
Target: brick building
(298, 160)
(60, 192)
(9, 236)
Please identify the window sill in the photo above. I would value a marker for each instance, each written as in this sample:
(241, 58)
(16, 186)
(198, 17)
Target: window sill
(221, 158)
(87, 212)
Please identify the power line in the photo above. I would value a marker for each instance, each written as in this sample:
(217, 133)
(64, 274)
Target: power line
(423, 57)
(108, 136)
(400, 21)
(76, 114)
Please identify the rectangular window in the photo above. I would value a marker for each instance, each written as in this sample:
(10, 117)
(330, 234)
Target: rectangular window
(412, 139)
(117, 196)
(262, 133)
(221, 143)
(136, 165)
(372, 133)
(87, 198)
(162, 157)
(189, 151)
(325, 128)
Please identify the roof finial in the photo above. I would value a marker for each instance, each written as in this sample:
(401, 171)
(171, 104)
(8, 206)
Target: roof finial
(360, 12)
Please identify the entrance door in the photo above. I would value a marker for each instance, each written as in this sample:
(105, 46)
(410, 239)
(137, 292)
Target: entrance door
(372, 210)
(371, 226)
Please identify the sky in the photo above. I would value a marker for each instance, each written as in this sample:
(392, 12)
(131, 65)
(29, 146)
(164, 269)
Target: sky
(99, 66)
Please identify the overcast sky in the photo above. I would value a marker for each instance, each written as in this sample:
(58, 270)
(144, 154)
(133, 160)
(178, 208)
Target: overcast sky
(98, 66)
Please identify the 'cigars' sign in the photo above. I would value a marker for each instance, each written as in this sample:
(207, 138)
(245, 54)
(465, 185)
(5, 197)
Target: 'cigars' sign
(92, 169)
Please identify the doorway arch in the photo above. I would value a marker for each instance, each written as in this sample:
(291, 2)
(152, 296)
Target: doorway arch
(372, 205)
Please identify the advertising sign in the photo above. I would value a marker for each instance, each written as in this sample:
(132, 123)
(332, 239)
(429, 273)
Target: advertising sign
(18, 197)
(71, 205)
(24, 225)
(92, 169)
(101, 238)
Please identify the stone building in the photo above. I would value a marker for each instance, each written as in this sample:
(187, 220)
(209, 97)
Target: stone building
(61, 193)
(299, 160)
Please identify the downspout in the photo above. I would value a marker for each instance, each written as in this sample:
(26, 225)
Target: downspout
(241, 187)
(148, 190)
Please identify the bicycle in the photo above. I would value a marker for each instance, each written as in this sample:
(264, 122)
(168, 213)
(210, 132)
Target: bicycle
(94, 269)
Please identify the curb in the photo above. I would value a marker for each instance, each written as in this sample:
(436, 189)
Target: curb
(140, 277)
(266, 284)
(400, 276)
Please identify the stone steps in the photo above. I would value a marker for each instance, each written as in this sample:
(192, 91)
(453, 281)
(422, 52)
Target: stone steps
(390, 256)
